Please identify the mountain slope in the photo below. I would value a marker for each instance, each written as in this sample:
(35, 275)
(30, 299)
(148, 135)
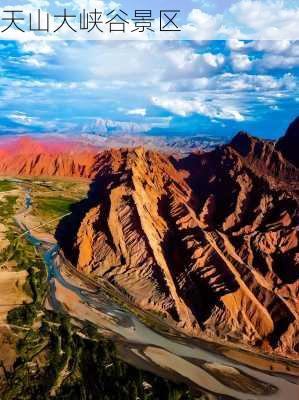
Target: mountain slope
(210, 241)
(288, 145)
(203, 240)
(265, 158)
(46, 157)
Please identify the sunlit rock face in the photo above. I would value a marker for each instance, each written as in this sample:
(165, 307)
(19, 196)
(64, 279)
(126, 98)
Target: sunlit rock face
(208, 240)
(49, 157)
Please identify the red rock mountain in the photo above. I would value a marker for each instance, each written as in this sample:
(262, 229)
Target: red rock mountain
(25, 156)
(210, 240)
(266, 158)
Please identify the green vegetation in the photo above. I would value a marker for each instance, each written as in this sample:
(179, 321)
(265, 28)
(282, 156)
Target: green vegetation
(7, 206)
(6, 185)
(36, 286)
(99, 374)
(7, 209)
(26, 258)
(57, 359)
(56, 362)
(80, 368)
(20, 250)
(52, 207)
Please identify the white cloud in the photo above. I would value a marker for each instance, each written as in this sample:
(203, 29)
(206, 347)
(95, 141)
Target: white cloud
(38, 47)
(276, 53)
(275, 108)
(184, 77)
(183, 58)
(266, 19)
(186, 85)
(271, 46)
(241, 62)
(273, 53)
(265, 46)
(213, 60)
(271, 61)
(201, 25)
(177, 106)
(236, 82)
(39, 3)
(23, 119)
(34, 62)
(244, 19)
(235, 44)
(255, 82)
(185, 107)
(137, 111)
(187, 62)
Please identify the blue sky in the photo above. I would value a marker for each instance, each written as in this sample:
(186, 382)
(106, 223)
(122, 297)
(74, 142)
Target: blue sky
(198, 19)
(157, 87)
(167, 87)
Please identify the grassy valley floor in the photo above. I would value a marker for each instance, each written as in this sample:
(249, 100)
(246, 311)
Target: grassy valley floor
(44, 354)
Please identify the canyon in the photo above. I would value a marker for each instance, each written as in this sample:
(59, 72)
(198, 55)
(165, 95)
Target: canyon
(208, 240)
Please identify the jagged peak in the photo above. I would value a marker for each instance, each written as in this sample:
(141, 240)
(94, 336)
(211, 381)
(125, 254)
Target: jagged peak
(242, 134)
(243, 142)
(293, 128)
(288, 144)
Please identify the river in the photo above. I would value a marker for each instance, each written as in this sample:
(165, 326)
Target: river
(222, 370)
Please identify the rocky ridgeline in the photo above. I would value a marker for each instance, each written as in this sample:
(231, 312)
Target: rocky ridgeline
(209, 240)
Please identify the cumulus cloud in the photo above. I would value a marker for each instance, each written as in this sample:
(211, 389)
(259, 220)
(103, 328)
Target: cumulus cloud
(187, 62)
(270, 46)
(270, 61)
(235, 44)
(183, 58)
(266, 19)
(213, 60)
(237, 82)
(38, 47)
(241, 62)
(212, 79)
(269, 54)
(201, 25)
(186, 107)
(256, 82)
(245, 19)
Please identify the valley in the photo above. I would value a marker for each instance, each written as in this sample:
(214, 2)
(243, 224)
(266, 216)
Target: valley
(148, 342)
(184, 266)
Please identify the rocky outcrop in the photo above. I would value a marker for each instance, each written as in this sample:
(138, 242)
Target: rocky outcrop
(288, 145)
(253, 227)
(265, 159)
(209, 241)
(203, 240)
(46, 157)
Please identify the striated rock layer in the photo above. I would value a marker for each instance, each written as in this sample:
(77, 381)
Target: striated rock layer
(210, 240)
(46, 157)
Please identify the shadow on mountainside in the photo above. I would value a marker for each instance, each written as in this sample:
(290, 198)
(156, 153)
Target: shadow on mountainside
(248, 216)
(67, 229)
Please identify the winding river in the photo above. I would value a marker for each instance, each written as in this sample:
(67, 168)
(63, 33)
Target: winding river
(221, 370)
